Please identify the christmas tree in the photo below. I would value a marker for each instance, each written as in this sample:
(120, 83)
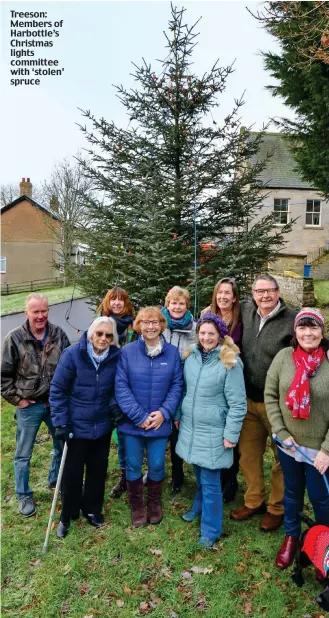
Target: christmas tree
(179, 192)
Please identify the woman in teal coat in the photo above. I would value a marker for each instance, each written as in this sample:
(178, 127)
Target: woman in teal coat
(210, 419)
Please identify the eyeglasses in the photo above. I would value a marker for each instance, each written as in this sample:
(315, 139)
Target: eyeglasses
(100, 333)
(150, 322)
(268, 291)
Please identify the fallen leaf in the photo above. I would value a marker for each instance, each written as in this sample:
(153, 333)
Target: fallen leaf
(248, 608)
(266, 574)
(172, 614)
(202, 570)
(7, 499)
(240, 568)
(156, 552)
(144, 607)
(83, 588)
(166, 572)
(154, 600)
(186, 575)
(201, 603)
(53, 525)
(127, 590)
(67, 569)
(89, 616)
(120, 603)
(35, 562)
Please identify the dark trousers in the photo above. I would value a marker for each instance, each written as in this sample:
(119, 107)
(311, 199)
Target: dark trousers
(92, 457)
(177, 472)
(228, 475)
(297, 476)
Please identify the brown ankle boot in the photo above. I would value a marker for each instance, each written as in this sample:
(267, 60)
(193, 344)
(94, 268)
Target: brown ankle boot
(154, 511)
(135, 491)
(288, 549)
(121, 486)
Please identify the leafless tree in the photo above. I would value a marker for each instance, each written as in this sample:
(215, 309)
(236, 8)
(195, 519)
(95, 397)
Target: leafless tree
(63, 194)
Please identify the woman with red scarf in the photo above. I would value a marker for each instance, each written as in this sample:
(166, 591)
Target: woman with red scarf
(297, 406)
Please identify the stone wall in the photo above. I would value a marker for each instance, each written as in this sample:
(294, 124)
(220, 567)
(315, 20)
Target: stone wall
(288, 262)
(297, 291)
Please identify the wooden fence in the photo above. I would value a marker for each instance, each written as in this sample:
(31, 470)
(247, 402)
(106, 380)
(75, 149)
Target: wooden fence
(31, 286)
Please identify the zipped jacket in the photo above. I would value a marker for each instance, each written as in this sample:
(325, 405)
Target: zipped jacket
(260, 347)
(27, 366)
(144, 384)
(212, 409)
(82, 396)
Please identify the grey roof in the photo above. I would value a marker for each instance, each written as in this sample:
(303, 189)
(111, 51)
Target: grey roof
(280, 171)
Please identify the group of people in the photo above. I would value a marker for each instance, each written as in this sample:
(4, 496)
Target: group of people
(216, 389)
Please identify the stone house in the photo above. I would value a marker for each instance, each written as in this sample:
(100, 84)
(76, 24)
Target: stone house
(290, 197)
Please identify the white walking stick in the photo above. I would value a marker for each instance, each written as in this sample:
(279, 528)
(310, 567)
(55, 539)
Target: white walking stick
(53, 506)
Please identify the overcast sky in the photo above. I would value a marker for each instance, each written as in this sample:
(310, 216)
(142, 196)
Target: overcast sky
(97, 43)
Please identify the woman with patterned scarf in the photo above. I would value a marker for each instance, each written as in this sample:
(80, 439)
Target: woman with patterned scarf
(117, 305)
(296, 400)
(180, 332)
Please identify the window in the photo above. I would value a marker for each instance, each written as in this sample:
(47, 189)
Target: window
(281, 211)
(3, 264)
(313, 212)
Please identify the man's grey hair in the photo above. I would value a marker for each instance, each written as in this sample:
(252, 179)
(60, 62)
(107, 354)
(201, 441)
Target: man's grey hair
(265, 277)
(35, 296)
(104, 320)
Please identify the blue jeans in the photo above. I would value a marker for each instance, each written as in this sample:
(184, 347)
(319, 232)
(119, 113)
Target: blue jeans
(28, 421)
(208, 502)
(155, 454)
(297, 476)
(121, 451)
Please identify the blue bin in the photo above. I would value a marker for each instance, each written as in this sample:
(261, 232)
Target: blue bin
(307, 270)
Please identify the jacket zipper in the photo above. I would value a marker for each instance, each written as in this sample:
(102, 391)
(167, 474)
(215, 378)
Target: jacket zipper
(97, 399)
(193, 406)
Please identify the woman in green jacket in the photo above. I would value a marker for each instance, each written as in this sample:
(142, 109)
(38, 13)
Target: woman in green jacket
(210, 419)
(296, 400)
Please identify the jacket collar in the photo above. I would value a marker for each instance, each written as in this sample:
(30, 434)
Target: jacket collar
(28, 336)
(142, 346)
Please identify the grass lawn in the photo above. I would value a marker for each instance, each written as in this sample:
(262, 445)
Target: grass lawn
(14, 303)
(119, 572)
(321, 289)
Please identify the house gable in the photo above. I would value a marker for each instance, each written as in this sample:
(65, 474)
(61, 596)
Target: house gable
(24, 220)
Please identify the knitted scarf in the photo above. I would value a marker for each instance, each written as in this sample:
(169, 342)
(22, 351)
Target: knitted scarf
(122, 324)
(96, 358)
(298, 397)
(183, 323)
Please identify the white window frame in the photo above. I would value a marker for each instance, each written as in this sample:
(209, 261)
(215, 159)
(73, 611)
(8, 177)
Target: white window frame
(281, 199)
(3, 265)
(312, 212)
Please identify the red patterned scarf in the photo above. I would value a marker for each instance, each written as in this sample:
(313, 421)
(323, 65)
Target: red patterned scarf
(298, 397)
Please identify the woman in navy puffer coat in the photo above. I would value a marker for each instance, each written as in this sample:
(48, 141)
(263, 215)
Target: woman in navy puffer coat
(82, 404)
(148, 389)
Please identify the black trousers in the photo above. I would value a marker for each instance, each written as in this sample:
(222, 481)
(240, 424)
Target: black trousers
(228, 475)
(176, 461)
(91, 457)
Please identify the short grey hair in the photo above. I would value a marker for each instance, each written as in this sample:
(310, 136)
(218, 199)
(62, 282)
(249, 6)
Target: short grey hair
(104, 320)
(265, 277)
(35, 296)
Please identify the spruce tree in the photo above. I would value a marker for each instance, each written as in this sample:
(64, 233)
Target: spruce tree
(301, 72)
(173, 160)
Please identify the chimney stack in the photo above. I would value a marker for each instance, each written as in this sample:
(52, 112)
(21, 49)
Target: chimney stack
(25, 187)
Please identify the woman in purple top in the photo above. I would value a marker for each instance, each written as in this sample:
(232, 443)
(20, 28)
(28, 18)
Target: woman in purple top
(225, 303)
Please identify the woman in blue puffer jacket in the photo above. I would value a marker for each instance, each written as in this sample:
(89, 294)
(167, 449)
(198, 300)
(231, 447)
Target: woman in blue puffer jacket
(148, 388)
(82, 403)
(210, 419)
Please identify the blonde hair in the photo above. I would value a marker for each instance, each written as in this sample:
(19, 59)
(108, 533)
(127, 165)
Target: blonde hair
(175, 293)
(104, 320)
(35, 296)
(147, 312)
